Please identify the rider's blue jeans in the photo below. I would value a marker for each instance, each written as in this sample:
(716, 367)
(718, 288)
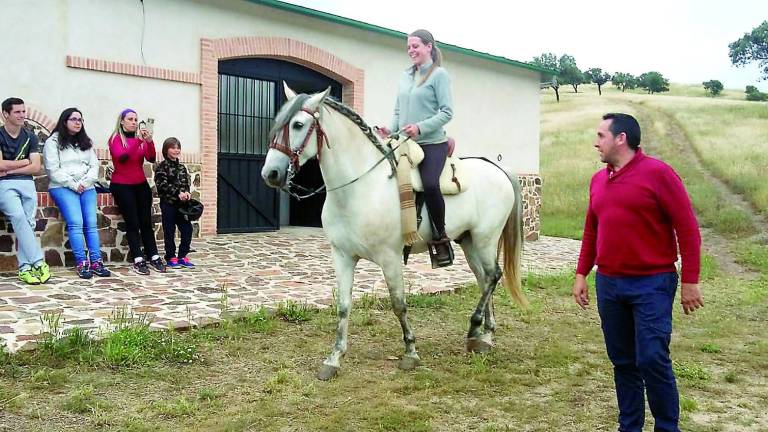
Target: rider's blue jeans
(636, 315)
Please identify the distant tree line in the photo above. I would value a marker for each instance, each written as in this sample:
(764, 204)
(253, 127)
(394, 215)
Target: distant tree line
(568, 73)
(752, 47)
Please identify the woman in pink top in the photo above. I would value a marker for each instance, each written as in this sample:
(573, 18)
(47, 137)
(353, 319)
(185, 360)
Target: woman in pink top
(130, 147)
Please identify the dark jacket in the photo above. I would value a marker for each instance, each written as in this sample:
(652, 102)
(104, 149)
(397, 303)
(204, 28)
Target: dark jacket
(171, 179)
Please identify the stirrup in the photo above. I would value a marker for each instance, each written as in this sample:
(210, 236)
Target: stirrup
(440, 252)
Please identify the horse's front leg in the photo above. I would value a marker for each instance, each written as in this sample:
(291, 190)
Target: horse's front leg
(393, 274)
(344, 265)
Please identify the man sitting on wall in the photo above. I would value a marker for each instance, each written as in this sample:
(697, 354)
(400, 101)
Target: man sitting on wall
(18, 196)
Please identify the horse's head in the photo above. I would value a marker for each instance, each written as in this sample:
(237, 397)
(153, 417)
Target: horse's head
(295, 138)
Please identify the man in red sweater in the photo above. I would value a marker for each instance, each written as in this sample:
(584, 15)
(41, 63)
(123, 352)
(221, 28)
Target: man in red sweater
(639, 212)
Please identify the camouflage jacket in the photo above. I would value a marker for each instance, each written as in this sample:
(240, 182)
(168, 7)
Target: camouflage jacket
(171, 179)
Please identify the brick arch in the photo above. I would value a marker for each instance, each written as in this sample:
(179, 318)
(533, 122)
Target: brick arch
(214, 50)
(41, 118)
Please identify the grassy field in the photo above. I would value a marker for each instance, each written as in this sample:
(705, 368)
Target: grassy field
(547, 372)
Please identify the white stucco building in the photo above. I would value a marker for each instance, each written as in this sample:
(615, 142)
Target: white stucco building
(209, 73)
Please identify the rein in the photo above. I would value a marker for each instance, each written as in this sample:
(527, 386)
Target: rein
(322, 189)
(283, 146)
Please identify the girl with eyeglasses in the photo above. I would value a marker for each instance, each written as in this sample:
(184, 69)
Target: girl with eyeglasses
(73, 169)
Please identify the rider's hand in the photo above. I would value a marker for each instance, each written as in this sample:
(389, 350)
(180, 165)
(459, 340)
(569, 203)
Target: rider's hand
(383, 131)
(411, 130)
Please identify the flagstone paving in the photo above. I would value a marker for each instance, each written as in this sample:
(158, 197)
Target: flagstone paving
(233, 271)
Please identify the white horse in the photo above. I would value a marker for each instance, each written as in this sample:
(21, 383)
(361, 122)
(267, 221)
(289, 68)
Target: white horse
(361, 215)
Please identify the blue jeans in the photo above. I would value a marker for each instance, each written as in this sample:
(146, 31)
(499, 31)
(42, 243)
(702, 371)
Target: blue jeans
(636, 315)
(18, 201)
(79, 211)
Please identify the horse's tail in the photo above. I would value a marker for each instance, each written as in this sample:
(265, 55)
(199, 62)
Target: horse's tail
(511, 243)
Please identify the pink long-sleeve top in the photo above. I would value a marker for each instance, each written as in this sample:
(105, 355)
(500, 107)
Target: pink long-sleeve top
(129, 160)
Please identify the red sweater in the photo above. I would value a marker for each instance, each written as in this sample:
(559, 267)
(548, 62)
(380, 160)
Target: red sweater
(129, 160)
(632, 219)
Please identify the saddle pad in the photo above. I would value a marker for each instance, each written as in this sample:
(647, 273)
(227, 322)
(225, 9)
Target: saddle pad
(453, 179)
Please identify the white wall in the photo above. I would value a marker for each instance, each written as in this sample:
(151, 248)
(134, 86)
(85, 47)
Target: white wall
(496, 112)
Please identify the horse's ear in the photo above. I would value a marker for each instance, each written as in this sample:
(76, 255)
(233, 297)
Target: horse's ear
(289, 94)
(314, 102)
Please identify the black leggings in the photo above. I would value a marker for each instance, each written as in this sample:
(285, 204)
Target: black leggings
(430, 169)
(135, 203)
(173, 218)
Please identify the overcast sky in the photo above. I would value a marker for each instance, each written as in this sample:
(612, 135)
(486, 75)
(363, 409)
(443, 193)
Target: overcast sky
(686, 40)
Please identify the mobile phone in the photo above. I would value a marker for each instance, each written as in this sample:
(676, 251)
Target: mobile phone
(142, 125)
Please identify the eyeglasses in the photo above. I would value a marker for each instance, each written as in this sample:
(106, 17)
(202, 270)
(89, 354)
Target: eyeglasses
(76, 120)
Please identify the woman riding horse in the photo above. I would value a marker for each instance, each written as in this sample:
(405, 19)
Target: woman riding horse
(424, 105)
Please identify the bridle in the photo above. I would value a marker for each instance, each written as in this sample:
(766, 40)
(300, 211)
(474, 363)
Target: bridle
(284, 145)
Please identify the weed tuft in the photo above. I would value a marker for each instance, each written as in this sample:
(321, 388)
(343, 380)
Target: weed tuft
(295, 312)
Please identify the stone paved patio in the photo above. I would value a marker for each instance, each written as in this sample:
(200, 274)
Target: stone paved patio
(239, 270)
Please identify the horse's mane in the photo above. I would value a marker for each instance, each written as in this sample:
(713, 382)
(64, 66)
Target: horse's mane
(354, 117)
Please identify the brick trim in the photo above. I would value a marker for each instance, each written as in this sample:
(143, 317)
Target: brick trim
(44, 199)
(44, 120)
(132, 69)
(214, 50)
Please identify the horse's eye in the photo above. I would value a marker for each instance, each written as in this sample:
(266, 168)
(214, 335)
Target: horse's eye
(298, 125)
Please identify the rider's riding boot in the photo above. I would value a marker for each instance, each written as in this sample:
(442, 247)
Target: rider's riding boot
(443, 252)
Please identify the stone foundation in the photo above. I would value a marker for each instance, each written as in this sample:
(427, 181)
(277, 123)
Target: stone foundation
(531, 190)
(51, 228)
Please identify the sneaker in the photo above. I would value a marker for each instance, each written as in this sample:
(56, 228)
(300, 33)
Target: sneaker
(174, 263)
(158, 265)
(141, 267)
(98, 269)
(43, 272)
(84, 270)
(29, 276)
(186, 263)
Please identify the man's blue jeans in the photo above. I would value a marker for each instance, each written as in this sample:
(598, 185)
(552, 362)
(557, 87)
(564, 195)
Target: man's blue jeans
(636, 315)
(18, 201)
(79, 211)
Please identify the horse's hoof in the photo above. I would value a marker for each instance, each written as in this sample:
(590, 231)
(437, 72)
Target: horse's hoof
(409, 362)
(327, 373)
(479, 346)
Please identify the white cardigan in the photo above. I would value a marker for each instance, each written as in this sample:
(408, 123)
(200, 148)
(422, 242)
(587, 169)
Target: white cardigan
(69, 167)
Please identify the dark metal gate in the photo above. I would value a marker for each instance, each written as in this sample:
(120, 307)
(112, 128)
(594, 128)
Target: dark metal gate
(246, 111)
(250, 92)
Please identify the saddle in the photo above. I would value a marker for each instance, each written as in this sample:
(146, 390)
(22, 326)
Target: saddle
(453, 179)
(409, 154)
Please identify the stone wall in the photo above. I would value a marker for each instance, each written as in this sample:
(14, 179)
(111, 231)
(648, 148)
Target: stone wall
(531, 189)
(51, 228)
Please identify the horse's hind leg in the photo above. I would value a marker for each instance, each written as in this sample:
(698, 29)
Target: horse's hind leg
(344, 265)
(482, 261)
(393, 274)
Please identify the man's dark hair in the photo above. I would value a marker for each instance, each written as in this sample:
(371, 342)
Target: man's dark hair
(625, 123)
(79, 140)
(10, 102)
